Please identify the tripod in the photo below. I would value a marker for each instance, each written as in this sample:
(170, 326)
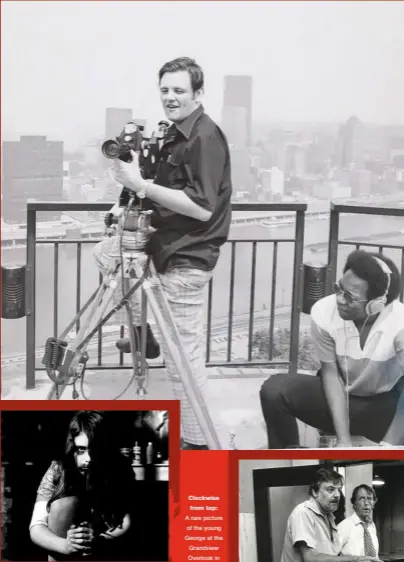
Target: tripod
(65, 364)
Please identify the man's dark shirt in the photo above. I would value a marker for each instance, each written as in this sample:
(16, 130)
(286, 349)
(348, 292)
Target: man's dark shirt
(195, 159)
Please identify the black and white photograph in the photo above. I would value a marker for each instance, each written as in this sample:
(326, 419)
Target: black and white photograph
(204, 202)
(85, 484)
(303, 510)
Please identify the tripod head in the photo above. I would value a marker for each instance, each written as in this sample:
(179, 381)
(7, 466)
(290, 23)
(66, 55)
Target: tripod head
(133, 222)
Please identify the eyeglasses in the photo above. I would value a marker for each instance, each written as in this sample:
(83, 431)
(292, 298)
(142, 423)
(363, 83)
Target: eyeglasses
(349, 299)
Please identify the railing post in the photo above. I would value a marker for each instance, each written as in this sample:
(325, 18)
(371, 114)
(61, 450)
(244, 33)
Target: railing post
(30, 297)
(297, 293)
(332, 249)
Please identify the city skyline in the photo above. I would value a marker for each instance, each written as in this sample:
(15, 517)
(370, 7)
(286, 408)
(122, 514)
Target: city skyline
(309, 61)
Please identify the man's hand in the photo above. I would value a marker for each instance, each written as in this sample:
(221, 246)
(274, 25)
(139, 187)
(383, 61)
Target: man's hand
(128, 173)
(79, 539)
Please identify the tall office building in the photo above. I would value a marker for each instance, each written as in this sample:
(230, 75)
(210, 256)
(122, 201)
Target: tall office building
(242, 179)
(295, 160)
(350, 145)
(396, 152)
(115, 119)
(32, 169)
(273, 182)
(320, 153)
(237, 110)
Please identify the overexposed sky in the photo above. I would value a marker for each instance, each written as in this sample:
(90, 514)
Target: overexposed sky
(63, 63)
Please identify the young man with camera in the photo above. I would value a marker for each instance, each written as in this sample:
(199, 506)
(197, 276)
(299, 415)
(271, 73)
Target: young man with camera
(191, 202)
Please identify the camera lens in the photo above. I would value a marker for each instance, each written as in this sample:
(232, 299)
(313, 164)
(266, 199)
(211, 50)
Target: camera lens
(110, 149)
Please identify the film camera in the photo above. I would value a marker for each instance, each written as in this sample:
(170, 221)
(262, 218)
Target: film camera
(135, 223)
(131, 138)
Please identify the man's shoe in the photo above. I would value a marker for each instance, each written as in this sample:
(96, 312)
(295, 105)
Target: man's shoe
(152, 346)
(185, 446)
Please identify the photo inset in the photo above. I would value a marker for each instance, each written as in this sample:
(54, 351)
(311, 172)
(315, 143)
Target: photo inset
(298, 510)
(85, 484)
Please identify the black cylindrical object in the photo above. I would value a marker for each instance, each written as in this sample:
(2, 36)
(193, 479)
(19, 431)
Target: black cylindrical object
(13, 291)
(314, 285)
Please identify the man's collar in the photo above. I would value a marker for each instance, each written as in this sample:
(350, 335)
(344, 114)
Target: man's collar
(313, 505)
(355, 519)
(358, 521)
(186, 126)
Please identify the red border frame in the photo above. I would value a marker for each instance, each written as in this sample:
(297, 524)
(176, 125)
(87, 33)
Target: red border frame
(292, 454)
(171, 406)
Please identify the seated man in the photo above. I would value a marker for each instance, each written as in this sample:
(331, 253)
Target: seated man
(358, 334)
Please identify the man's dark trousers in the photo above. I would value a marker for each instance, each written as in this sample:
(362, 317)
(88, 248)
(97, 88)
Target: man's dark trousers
(286, 398)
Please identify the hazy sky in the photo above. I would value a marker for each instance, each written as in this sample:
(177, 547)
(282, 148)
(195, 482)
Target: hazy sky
(63, 63)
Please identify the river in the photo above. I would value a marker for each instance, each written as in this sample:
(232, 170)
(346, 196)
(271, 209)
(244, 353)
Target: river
(316, 232)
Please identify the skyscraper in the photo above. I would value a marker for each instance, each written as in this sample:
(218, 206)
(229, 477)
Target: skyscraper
(32, 169)
(237, 110)
(350, 145)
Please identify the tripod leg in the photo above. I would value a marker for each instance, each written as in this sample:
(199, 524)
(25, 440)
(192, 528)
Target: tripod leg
(172, 339)
(137, 348)
(97, 312)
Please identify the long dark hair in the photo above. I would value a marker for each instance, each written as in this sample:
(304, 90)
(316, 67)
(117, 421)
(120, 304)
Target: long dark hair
(105, 489)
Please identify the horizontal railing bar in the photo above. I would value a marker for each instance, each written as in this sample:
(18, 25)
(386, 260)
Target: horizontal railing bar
(106, 205)
(117, 367)
(269, 206)
(370, 244)
(95, 240)
(261, 240)
(236, 207)
(109, 367)
(68, 241)
(69, 206)
(257, 363)
(367, 210)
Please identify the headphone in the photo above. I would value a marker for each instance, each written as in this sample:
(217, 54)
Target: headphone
(377, 305)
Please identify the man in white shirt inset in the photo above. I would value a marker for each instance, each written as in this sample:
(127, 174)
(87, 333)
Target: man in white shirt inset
(358, 532)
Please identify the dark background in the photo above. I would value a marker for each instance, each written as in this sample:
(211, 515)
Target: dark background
(32, 440)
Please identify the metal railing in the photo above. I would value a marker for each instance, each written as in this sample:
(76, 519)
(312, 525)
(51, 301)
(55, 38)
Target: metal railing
(334, 242)
(296, 282)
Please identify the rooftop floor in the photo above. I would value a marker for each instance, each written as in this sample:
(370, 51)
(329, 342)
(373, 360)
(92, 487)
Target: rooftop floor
(233, 399)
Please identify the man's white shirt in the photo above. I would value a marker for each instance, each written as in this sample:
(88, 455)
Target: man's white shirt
(351, 535)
